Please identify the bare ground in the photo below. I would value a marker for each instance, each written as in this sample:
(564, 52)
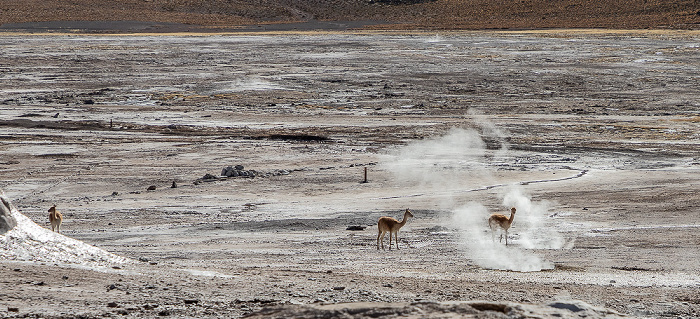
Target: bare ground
(602, 126)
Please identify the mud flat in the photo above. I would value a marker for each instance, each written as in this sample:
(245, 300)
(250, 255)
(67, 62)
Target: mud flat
(592, 136)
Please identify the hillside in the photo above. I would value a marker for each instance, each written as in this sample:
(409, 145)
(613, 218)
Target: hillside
(393, 14)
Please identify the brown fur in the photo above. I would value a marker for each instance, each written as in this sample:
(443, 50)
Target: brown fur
(391, 225)
(56, 218)
(499, 220)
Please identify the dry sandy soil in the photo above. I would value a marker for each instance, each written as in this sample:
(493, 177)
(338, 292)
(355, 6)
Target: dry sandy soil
(592, 136)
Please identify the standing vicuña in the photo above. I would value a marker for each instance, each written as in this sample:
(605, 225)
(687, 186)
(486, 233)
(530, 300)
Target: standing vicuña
(55, 218)
(499, 220)
(392, 226)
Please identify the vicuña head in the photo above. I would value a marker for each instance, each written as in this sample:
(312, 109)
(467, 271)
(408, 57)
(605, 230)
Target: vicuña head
(499, 220)
(55, 218)
(391, 225)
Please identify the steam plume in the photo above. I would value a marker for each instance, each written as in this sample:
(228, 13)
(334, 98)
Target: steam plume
(457, 160)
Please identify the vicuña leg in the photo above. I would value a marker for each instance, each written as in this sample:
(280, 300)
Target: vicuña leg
(380, 238)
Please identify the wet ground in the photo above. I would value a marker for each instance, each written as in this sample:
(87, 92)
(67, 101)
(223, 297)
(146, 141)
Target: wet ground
(593, 136)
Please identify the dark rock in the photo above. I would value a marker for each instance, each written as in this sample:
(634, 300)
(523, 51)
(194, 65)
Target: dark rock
(239, 167)
(112, 304)
(12, 309)
(151, 188)
(115, 193)
(143, 259)
(209, 177)
(339, 288)
(191, 301)
(356, 228)
(174, 185)
(164, 313)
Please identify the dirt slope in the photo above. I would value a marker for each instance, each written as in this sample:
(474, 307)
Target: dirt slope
(399, 14)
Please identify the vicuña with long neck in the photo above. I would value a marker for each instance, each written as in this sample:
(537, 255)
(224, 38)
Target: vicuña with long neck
(391, 225)
(500, 220)
(55, 218)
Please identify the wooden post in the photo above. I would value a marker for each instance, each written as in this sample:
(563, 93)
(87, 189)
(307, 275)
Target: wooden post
(365, 181)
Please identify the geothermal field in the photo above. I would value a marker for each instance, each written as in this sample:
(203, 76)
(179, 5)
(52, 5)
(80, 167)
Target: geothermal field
(223, 175)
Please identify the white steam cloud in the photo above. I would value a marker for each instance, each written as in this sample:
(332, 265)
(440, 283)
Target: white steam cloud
(479, 246)
(459, 160)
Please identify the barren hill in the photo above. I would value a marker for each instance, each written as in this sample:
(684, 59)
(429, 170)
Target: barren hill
(393, 14)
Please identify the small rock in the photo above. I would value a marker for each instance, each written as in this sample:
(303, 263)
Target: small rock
(191, 301)
(41, 283)
(152, 187)
(12, 309)
(143, 259)
(389, 285)
(112, 304)
(239, 167)
(164, 313)
(115, 193)
(339, 288)
(123, 312)
(356, 228)
(174, 185)
(116, 267)
(208, 177)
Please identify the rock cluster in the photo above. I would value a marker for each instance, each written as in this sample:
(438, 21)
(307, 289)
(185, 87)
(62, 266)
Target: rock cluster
(240, 171)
